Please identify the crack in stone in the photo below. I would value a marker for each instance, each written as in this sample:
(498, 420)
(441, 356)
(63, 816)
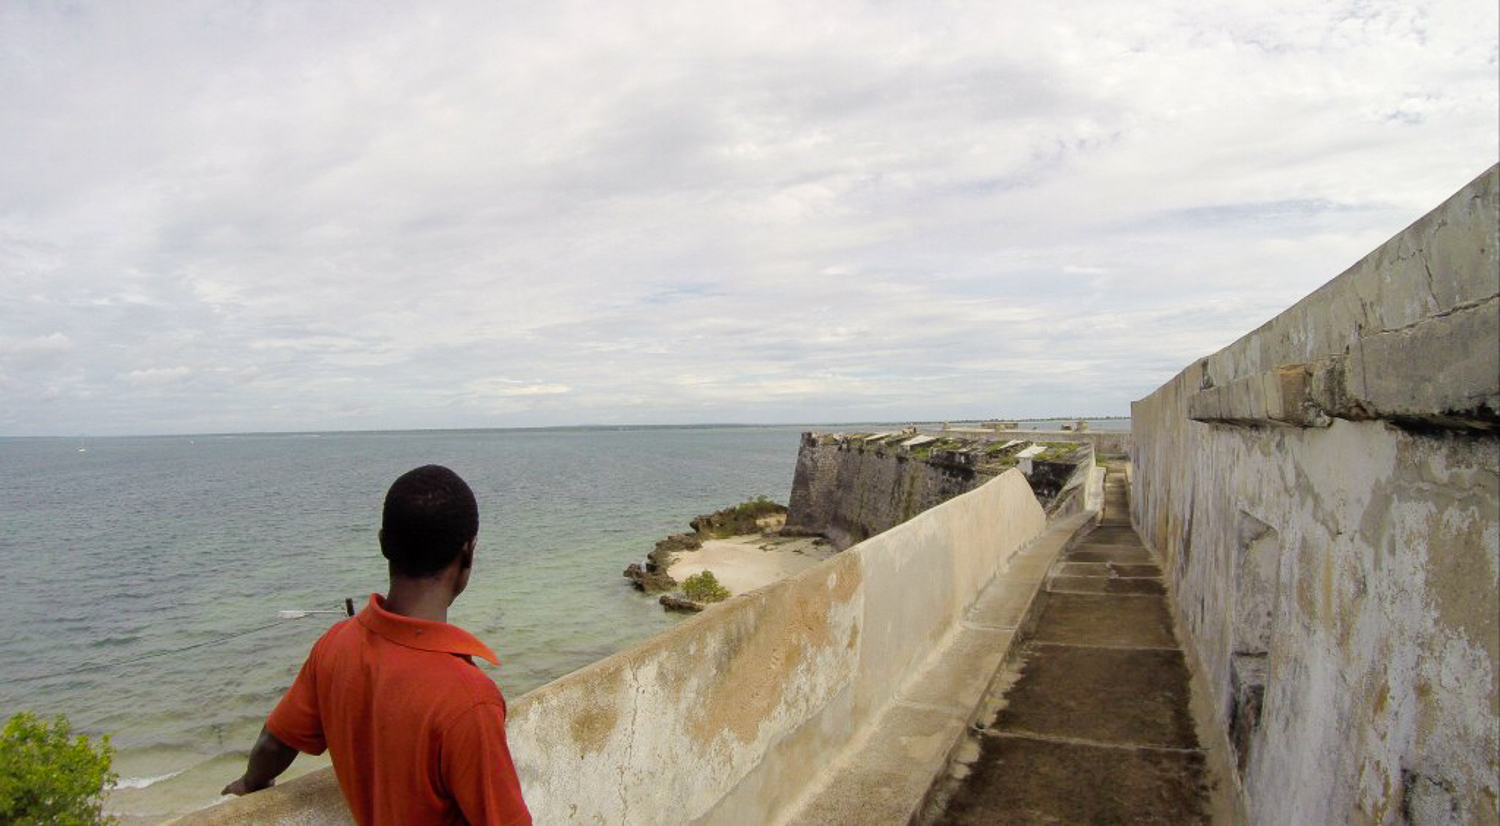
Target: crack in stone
(1431, 286)
(635, 710)
(1454, 310)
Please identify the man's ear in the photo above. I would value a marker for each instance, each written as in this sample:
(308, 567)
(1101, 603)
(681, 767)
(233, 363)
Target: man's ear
(466, 556)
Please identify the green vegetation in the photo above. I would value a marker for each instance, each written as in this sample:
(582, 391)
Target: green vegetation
(753, 509)
(741, 519)
(945, 443)
(47, 775)
(1058, 450)
(704, 587)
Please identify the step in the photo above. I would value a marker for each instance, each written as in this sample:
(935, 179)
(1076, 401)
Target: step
(1095, 724)
(1033, 780)
(1136, 697)
(896, 760)
(1121, 535)
(1105, 585)
(1129, 556)
(1105, 621)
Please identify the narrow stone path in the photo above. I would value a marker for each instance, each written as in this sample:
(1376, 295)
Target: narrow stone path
(1096, 726)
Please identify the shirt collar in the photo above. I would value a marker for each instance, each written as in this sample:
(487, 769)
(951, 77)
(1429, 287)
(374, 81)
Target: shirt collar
(424, 635)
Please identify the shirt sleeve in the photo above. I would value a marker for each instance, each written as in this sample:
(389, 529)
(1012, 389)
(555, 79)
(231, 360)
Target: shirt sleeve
(478, 771)
(295, 721)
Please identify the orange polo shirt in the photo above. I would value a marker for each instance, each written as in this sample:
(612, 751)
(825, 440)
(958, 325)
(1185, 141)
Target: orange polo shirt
(417, 731)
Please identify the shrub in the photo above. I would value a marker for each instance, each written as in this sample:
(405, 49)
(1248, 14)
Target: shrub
(704, 587)
(49, 776)
(741, 519)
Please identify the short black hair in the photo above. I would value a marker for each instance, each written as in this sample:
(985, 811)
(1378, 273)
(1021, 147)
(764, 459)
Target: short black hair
(430, 515)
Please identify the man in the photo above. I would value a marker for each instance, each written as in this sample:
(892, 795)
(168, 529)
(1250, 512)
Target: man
(417, 731)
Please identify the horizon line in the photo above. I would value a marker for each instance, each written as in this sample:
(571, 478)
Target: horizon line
(594, 426)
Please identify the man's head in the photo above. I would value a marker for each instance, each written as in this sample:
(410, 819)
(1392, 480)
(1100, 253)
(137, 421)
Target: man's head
(430, 522)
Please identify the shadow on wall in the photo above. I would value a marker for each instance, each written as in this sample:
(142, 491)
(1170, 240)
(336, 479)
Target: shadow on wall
(1256, 589)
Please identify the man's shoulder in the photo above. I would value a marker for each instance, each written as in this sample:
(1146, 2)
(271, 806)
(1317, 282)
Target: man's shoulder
(449, 687)
(329, 638)
(449, 680)
(466, 685)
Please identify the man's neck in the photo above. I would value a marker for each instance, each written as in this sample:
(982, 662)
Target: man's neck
(423, 599)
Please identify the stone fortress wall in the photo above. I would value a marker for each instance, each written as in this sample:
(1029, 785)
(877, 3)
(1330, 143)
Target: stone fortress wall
(848, 488)
(1324, 495)
(848, 495)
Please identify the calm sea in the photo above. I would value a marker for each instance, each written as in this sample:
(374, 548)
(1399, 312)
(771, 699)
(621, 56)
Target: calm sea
(115, 549)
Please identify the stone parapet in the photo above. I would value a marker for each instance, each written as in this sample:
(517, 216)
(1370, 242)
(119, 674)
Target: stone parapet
(1324, 496)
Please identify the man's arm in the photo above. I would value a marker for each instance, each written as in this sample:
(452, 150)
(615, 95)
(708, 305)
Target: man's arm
(269, 757)
(298, 727)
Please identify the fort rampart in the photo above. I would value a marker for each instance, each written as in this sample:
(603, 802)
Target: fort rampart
(1323, 495)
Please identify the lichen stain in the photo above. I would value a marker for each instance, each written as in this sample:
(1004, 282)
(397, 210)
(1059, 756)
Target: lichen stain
(1307, 599)
(762, 648)
(592, 726)
(1460, 485)
(1461, 581)
(1327, 582)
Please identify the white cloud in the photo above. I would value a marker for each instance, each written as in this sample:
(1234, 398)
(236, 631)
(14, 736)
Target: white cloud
(511, 387)
(49, 344)
(156, 375)
(303, 216)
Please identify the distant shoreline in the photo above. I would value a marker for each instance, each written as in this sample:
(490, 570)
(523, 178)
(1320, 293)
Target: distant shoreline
(534, 429)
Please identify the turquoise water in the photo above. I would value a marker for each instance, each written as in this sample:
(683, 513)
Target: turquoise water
(138, 545)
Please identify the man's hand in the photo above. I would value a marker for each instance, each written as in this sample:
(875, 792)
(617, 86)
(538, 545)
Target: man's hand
(268, 758)
(242, 787)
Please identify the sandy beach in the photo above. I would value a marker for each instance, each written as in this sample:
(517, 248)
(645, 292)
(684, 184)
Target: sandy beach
(744, 563)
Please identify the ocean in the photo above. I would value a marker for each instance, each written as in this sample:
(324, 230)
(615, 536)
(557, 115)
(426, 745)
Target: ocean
(115, 550)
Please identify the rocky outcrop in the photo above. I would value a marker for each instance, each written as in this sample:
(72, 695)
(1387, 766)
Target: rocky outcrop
(671, 602)
(652, 577)
(746, 518)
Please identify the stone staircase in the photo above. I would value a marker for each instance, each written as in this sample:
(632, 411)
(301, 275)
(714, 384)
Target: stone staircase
(1089, 721)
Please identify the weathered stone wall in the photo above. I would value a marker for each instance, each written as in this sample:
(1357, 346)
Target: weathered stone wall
(1077, 495)
(731, 715)
(1324, 494)
(848, 491)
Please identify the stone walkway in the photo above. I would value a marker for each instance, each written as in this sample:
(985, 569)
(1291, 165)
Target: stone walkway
(887, 772)
(1094, 726)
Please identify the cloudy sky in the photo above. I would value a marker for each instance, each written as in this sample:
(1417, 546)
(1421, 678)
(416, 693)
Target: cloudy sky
(291, 216)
